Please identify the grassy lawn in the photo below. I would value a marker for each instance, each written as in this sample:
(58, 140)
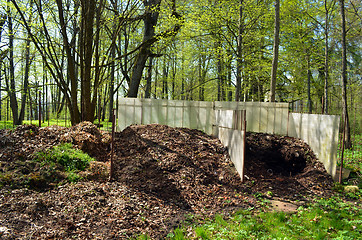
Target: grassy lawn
(105, 125)
(331, 218)
(352, 158)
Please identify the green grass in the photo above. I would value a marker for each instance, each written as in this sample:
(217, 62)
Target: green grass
(57, 165)
(107, 126)
(352, 158)
(331, 218)
(67, 158)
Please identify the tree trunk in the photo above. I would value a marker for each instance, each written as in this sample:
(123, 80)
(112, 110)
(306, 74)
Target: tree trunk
(152, 8)
(88, 8)
(309, 76)
(348, 143)
(11, 89)
(111, 86)
(275, 52)
(25, 82)
(326, 70)
(165, 79)
(72, 101)
(149, 78)
(2, 22)
(239, 54)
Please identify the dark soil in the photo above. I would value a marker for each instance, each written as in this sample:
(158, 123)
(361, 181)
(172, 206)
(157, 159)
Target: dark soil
(162, 176)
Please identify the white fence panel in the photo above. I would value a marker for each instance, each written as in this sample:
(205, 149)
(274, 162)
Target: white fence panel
(321, 133)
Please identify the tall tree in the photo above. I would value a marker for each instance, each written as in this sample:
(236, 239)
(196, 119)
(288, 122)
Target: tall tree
(239, 53)
(28, 60)
(11, 85)
(348, 143)
(150, 18)
(275, 51)
(2, 55)
(326, 58)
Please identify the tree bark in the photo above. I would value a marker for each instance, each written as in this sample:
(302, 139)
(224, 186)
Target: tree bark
(71, 71)
(25, 82)
(111, 86)
(348, 143)
(326, 70)
(150, 18)
(239, 53)
(11, 88)
(149, 78)
(2, 22)
(88, 8)
(275, 52)
(309, 76)
(152, 8)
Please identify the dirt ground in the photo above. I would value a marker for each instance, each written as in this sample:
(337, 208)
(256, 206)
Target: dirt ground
(162, 176)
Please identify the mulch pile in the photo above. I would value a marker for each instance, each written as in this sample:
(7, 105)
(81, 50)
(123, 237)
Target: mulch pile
(162, 176)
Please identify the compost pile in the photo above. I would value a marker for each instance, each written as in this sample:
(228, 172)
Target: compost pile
(162, 176)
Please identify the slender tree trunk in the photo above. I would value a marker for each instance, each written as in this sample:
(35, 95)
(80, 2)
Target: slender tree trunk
(309, 76)
(11, 90)
(165, 79)
(228, 76)
(219, 71)
(201, 80)
(111, 86)
(326, 70)
(25, 82)
(348, 143)
(239, 53)
(174, 69)
(275, 52)
(2, 22)
(88, 8)
(72, 102)
(149, 78)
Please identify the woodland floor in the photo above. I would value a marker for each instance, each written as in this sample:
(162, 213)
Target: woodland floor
(162, 176)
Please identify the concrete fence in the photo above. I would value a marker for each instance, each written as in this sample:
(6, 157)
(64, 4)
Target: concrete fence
(319, 131)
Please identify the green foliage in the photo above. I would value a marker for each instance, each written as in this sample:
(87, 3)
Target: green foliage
(332, 218)
(352, 158)
(63, 157)
(70, 158)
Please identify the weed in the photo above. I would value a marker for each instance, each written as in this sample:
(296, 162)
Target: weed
(61, 157)
(331, 218)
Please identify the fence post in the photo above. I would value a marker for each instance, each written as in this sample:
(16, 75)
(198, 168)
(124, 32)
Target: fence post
(244, 141)
(39, 109)
(112, 144)
(344, 134)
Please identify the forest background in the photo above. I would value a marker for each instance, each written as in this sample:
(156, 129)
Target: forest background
(75, 59)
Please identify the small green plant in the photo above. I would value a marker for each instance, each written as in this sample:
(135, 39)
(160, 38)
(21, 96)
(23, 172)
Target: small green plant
(177, 234)
(63, 157)
(67, 156)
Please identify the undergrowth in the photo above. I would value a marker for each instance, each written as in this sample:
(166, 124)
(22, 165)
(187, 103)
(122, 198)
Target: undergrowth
(66, 158)
(332, 218)
(57, 165)
(352, 159)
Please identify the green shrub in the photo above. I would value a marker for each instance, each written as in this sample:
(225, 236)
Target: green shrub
(63, 157)
(67, 156)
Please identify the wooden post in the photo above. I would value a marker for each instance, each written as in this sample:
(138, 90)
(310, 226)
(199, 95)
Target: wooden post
(342, 151)
(244, 140)
(39, 109)
(112, 144)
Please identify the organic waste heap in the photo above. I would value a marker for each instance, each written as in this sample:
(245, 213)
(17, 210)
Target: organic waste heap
(162, 176)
